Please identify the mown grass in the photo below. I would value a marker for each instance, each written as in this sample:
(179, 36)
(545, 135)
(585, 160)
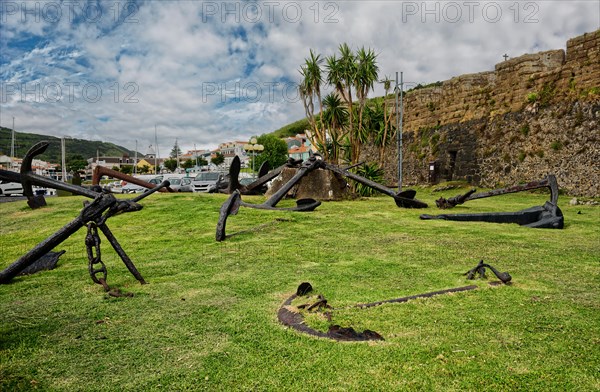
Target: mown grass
(206, 320)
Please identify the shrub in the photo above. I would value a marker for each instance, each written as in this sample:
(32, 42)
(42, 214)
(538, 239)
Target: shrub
(594, 91)
(370, 171)
(525, 129)
(532, 97)
(556, 145)
(547, 94)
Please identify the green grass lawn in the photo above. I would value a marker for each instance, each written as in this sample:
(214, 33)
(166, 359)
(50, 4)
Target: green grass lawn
(207, 319)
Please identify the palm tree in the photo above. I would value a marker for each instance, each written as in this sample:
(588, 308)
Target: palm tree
(335, 118)
(341, 74)
(387, 85)
(366, 75)
(310, 87)
(345, 73)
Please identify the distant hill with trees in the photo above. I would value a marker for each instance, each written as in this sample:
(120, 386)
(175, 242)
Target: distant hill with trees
(292, 129)
(84, 148)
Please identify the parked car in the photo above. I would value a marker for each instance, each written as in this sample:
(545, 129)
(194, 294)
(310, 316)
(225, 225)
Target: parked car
(10, 188)
(128, 187)
(132, 188)
(247, 181)
(181, 184)
(115, 187)
(208, 181)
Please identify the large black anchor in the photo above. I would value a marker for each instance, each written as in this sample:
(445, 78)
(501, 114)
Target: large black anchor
(94, 215)
(405, 199)
(233, 203)
(548, 216)
(264, 176)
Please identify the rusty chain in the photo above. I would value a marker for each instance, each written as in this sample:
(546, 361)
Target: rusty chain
(92, 244)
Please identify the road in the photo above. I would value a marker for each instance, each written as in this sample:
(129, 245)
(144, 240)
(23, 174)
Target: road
(8, 199)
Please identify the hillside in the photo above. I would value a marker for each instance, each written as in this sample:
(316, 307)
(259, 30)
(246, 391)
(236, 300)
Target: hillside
(85, 148)
(292, 129)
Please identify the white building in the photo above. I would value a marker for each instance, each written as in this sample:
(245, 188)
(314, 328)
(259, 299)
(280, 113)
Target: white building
(230, 149)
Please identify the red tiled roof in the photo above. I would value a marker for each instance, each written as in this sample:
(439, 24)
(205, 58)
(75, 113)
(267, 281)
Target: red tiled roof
(298, 150)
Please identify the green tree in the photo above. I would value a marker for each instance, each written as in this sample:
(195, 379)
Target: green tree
(170, 164)
(350, 74)
(188, 164)
(75, 163)
(143, 169)
(335, 120)
(127, 169)
(387, 134)
(275, 152)
(341, 74)
(310, 89)
(367, 73)
(218, 159)
(175, 151)
(202, 162)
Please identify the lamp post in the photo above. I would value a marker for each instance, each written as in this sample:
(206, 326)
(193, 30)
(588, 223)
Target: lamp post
(253, 146)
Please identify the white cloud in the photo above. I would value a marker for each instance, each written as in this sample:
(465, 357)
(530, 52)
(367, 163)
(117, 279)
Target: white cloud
(166, 55)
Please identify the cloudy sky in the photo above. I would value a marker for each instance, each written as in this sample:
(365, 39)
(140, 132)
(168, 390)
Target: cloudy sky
(207, 72)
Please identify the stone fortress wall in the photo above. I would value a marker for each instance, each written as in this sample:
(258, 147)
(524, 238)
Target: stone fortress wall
(534, 114)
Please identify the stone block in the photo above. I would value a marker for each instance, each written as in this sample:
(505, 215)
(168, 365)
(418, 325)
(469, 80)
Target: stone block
(319, 184)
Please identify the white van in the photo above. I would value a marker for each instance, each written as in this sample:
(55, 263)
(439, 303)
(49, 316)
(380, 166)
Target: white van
(10, 188)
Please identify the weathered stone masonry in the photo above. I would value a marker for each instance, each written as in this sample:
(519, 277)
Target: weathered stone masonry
(533, 115)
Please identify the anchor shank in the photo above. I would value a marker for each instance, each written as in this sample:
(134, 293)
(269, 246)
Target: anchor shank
(117, 247)
(280, 194)
(513, 189)
(264, 179)
(362, 180)
(46, 182)
(40, 250)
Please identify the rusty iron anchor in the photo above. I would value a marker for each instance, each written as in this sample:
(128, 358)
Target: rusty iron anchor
(405, 199)
(547, 182)
(264, 176)
(234, 201)
(548, 216)
(103, 206)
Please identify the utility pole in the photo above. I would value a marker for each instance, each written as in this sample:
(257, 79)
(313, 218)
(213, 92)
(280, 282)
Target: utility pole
(196, 154)
(12, 145)
(177, 153)
(63, 160)
(399, 119)
(155, 151)
(135, 159)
